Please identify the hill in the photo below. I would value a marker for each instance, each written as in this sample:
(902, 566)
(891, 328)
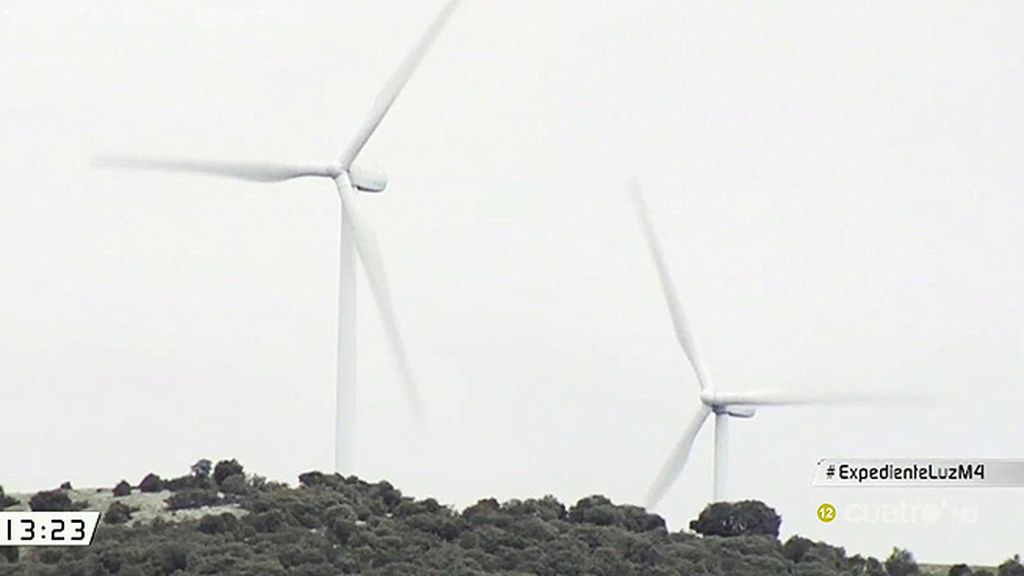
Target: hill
(223, 522)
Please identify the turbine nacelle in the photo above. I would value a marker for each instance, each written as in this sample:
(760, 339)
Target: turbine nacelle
(737, 411)
(367, 179)
(722, 406)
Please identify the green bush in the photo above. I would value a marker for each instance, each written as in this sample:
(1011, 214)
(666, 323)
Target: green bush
(51, 501)
(5, 500)
(746, 518)
(901, 563)
(202, 468)
(123, 488)
(234, 484)
(218, 523)
(1011, 567)
(151, 483)
(118, 513)
(189, 483)
(192, 498)
(226, 468)
(9, 554)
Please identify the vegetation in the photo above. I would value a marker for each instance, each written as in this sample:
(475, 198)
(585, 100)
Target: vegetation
(6, 500)
(331, 524)
(54, 501)
(201, 469)
(747, 518)
(226, 468)
(192, 498)
(1011, 567)
(901, 563)
(151, 483)
(123, 488)
(119, 513)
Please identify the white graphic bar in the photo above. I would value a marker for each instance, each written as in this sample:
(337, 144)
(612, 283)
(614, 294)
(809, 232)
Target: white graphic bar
(919, 472)
(48, 528)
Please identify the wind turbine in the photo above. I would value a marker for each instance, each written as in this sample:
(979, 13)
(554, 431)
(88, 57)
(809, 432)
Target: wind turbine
(723, 405)
(356, 235)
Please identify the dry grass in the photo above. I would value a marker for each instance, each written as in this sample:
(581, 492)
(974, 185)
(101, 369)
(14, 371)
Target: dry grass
(151, 505)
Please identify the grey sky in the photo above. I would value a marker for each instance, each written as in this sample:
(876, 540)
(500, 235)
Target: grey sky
(837, 187)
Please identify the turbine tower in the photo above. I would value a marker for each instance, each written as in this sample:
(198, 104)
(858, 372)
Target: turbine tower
(356, 235)
(723, 405)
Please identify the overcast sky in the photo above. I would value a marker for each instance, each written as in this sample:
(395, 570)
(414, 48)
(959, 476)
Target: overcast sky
(838, 188)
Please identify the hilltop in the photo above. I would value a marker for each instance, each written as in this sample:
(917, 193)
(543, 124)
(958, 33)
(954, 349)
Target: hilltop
(217, 520)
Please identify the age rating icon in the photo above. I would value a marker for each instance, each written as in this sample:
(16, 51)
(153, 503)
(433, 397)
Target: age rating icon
(826, 512)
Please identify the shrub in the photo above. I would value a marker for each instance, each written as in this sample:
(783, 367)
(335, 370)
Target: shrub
(226, 468)
(596, 510)
(118, 513)
(312, 479)
(66, 486)
(959, 570)
(746, 518)
(234, 484)
(173, 557)
(192, 498)
(201, 469)
(189, 483)
(151, 483)
(6, 500)
(123, 488)
(217, 523)
(9, 553)
(1011, 567)
(51, 501)
(795, 548)
(900, 563)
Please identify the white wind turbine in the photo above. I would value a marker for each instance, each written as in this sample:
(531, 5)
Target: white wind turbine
(356, 236)
(723, 405)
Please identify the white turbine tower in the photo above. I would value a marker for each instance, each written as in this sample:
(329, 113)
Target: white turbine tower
(356, 235)
(723, 405)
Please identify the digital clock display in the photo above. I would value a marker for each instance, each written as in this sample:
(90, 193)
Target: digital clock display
(47, 528)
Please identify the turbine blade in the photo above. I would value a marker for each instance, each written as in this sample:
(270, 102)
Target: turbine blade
(251, 171)
(682, 326)
(394, 85)
(373, 264)
(677, 459)
(780, 398)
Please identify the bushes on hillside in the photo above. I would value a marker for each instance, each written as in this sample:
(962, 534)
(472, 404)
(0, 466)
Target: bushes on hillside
(334, 524)
(192, 498)
(54, 501)
(601, 511)
(1011, 567)
(218, 523)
